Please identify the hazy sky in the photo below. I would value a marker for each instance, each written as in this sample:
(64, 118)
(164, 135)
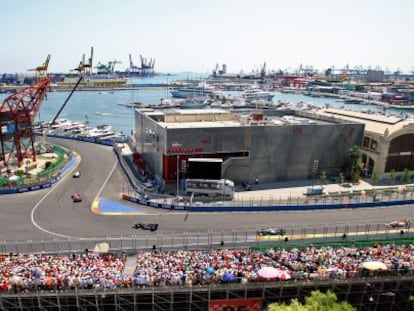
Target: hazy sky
(194, 35)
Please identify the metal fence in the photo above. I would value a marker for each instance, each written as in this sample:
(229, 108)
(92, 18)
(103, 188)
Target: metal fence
(231, 238)
(380, 294)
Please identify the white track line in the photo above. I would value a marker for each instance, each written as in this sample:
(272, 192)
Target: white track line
(53, 189)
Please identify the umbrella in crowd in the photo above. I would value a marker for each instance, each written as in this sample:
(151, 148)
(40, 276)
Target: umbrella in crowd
(374, 265)
(284, 275)
(268, 273)
(228, 277)
(210, 270)
(101, 248)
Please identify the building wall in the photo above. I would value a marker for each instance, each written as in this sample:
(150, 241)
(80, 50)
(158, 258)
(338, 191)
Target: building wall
(275, 153)
(150, 142)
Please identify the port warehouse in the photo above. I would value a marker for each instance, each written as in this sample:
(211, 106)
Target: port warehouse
(370, 293)
(271, 145)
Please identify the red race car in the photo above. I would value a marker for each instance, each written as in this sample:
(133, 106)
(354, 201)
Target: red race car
(76, 197)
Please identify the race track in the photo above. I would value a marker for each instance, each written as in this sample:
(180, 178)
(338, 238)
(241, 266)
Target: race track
(51, 213)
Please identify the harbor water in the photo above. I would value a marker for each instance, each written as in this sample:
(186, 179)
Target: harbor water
(109, 107)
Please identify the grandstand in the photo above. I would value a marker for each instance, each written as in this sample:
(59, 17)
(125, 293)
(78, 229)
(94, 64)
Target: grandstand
(194, 279)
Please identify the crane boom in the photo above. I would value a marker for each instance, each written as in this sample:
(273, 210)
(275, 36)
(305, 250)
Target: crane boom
(66, 101)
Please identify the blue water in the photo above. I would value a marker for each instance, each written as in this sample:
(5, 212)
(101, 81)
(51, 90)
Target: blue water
(84, 105)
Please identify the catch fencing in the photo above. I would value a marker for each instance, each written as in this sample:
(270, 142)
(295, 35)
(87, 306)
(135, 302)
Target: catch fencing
(230, 238)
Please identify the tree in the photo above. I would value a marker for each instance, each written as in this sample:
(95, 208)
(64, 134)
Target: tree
(322, 178)
(48, 164)
(406, 176)
(317, 301)
(374, 178)
(341, 178)
(392, 176)
(356, 163)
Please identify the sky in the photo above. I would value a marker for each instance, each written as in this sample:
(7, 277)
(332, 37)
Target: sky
(195, 35)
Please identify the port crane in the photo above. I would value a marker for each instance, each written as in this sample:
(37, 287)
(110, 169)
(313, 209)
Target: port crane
(147, 67)
(132, 66)
(85, 68)
(107, 69)
(41, 71)
(88, 66)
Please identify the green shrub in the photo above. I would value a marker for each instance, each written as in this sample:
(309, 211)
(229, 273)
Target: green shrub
(19, 173)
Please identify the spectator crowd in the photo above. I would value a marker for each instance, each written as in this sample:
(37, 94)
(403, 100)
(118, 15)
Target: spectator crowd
(195, 267)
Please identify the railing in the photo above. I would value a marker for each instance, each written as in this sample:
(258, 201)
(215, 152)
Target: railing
(230, 238)
(373, 293)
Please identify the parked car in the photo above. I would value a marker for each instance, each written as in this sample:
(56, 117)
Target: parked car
(76, 197)
(401, 223)
(271, 231)
(76, 174)
(145, 226)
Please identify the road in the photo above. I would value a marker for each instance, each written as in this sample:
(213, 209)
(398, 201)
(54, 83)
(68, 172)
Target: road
(50, 213)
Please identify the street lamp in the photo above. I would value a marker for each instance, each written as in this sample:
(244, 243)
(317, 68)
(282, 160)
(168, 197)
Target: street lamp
(178, 175)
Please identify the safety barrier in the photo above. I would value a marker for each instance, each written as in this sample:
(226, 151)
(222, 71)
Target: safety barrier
(106, 142)
(299, 204)
(210, 239)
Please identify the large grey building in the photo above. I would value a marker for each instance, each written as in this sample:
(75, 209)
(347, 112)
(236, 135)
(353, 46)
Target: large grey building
(270, 144)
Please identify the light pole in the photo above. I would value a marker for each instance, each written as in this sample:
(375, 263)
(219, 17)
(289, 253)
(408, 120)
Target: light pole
(178, 175)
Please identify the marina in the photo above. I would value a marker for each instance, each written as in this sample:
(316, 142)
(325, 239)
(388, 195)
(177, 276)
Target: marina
(115, 108)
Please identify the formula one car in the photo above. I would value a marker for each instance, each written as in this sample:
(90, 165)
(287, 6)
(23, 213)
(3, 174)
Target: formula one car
(145, 226)
(271, 231)
(76, 174)
(401, 223)
(76, 197)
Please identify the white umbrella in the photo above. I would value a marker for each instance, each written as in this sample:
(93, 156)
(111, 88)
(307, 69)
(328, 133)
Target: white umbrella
(268, 273)
(14, 178)
(374, 265)
(101, 248)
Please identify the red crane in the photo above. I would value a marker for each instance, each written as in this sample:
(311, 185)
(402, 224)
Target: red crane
(17, 113)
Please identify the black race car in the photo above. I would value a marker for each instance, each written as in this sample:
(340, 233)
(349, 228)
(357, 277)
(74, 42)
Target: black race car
(145, 226)
(271, 231)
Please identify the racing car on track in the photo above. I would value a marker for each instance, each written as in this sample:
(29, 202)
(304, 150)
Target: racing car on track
(401, 223)
(145, 226)
(76, 197)
(271, 231)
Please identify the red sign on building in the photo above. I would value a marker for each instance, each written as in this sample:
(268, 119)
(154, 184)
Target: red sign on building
(248, 304)
(182, 150)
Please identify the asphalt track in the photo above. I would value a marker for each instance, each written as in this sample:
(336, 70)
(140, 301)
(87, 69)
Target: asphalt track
(50, 213)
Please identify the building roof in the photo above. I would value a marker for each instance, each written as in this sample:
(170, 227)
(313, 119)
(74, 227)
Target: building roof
(375, 123)
(216, 118)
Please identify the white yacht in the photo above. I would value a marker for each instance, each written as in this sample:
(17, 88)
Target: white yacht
(201, 90)
(255, 94)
